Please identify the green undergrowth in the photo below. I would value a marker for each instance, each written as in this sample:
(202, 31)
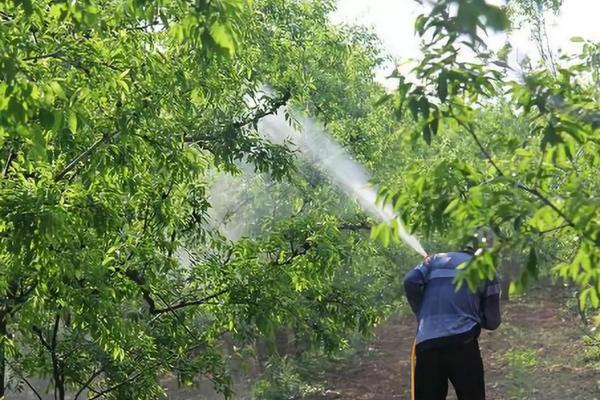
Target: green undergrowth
(306, 376)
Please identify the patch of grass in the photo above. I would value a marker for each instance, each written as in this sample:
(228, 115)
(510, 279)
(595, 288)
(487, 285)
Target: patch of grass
(591, 352)
(285, 379)
(521, 365)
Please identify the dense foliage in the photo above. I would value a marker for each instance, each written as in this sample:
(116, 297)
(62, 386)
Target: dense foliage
(117, 116)
(518, 151)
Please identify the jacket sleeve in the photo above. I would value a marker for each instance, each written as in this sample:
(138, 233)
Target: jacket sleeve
(414, 286)
(490, 305)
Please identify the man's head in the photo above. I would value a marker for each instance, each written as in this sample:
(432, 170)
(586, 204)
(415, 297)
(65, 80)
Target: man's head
(482, 238)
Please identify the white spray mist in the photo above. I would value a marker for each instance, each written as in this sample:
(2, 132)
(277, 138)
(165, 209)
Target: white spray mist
(317, 146)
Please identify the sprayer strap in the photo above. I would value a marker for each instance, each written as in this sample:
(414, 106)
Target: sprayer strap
(443, 273)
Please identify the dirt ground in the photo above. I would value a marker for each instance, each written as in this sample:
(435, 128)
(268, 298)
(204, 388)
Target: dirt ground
(536, 354)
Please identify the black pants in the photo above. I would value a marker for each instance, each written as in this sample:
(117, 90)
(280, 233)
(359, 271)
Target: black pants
(461, 364)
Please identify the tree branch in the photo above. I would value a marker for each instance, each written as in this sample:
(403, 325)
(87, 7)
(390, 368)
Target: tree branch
(355, 227)
(142, 27)
(86, 153)
(469, 128)
(6, 16)
(271, 109)
(198, 302)
(55, 54)
(170, 309)
(55, 331)
(118, 385)
(56, 367)
(140, 281)
(547, 201)
(11, 308)
(31, 387)
(35, 392)
(521, 186)
(88, 382)
(60, 56)
(40, 336)
(59, 379)
(302, 251)
(554, 229)
(11, 155)
(25, 295)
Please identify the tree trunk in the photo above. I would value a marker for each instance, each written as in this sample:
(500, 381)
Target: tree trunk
(282, 341)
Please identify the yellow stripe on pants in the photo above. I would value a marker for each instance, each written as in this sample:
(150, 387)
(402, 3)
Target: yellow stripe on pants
(412, 370)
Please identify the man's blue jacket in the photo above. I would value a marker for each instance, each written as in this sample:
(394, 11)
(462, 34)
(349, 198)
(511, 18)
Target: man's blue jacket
(444, 313)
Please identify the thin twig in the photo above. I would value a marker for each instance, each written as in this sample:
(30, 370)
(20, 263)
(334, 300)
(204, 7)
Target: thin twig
(31, 387)
(118, 385)
(177, 317)
(487, 155)
(547, 201)
(81, 156)
(191, 303)
(25, 380)
(271, 109)
(521, 186)
(59, 56)
(355, 227)
(88, 382)
(11, 155)
(554, 229)
(142, 27)
(55, 54)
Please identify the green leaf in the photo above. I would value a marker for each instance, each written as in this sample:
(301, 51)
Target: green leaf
(420, 24)
(427, 134)
(57, 90)
(583, 295)
(414, 108)
(58, 121)
(594, 297)
(516, 288)
(434, 126)
(46, 118)
(72, 122)
(454, 203)
(383, 99)
(385, 236)
(223, 36)
(16, 109)
(442, 86)
(27, 6)
(496, 18)
(376, 230)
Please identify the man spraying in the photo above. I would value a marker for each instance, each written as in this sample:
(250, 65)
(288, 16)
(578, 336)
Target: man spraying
(449, 323)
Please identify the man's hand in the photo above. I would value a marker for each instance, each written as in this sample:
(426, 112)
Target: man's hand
(427, 260)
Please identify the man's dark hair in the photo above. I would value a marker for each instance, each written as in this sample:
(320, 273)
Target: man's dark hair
(483, 237)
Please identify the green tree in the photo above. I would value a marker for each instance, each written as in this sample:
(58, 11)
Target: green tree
(519, 155)
(534, 12)
(114, 116)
